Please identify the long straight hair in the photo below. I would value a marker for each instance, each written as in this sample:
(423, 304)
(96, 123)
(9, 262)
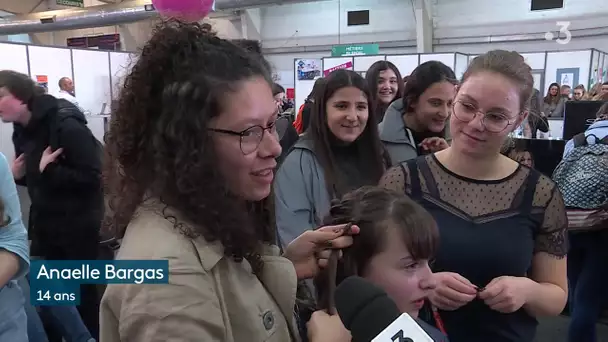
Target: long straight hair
(371, 76)
(372, 155)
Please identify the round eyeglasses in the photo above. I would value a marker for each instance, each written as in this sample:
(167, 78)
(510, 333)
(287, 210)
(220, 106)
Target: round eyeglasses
(494, 122)
(251, 138)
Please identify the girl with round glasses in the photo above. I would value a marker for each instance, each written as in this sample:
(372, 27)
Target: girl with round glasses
(501, 261)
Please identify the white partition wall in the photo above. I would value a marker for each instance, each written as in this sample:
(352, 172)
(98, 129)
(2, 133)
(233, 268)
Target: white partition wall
(14, 57)
(462, 62)
(567, 67)
(448, 59)
(92, 80)
(93, 87)
(535, 60)
(405, 63)
(119, 67)
(54, 63)
(362, 63)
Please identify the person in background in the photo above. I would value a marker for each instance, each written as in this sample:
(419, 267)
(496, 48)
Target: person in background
(588, 261)
(553, 103)
(397, 239)
(593, 91)
(14, 259)
(602, 94)
(417, 123)
(302, 121)
(523, 157)
(604, 88)
(536, 119)
(502, 226)
(288, 135)
(384, 81)
(565, 92)
(60, 160)
(405, 80)
(279, 96)
(579, 93)
(190, 161)
(67, 91)
(340, 152)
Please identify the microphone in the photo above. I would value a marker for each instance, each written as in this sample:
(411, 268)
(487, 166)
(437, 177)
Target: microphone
(371, 315)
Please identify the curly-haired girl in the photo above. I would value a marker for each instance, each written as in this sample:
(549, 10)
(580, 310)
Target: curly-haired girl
(189, 166)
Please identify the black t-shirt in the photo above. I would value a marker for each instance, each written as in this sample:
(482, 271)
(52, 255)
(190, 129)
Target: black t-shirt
(487, 229)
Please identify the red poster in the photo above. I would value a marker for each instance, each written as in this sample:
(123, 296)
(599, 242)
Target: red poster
(347, 65)
(290, 93)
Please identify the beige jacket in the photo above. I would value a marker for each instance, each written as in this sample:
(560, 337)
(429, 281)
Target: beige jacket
(209, 297)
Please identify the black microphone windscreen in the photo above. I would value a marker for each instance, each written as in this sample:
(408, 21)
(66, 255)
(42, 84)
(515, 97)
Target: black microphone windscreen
(365, 309)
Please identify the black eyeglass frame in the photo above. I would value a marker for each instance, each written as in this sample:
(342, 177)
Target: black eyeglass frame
(244, 132)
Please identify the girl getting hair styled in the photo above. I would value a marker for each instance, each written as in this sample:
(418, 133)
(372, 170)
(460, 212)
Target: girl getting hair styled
(396, 241)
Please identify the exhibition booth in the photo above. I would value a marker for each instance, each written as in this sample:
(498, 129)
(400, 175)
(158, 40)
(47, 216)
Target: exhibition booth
(586, 67)
(96, 74)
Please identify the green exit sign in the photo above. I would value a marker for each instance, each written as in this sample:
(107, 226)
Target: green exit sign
(71, 3)
(354, 50)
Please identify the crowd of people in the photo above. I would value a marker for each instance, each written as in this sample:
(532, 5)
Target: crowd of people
(404, 179)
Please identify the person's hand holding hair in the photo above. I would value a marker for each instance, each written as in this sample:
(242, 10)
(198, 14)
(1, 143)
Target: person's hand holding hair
(311, 251)
(323, 327)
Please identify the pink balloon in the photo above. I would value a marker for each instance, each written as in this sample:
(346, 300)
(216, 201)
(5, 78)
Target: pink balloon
(187, 10)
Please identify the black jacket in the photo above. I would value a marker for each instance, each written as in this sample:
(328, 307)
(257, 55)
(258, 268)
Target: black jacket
(67, 197)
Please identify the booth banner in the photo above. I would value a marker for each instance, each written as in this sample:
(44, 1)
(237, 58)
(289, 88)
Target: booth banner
(43, 81)
(347, 65)
(355, 50)
(71, 3)
(308, 69)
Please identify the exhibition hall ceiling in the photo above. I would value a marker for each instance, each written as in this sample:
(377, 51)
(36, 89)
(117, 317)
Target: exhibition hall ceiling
(21, 6)
(28, 6)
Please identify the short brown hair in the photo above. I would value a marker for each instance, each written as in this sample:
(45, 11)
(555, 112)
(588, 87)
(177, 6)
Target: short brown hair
(509, 64)
(19, 85)
(376, 210)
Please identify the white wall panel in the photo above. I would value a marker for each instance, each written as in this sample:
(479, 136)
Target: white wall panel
(92, 79)
(54, 63)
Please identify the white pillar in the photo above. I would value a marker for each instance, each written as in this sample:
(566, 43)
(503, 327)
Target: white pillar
(424, 26)
(251, 23)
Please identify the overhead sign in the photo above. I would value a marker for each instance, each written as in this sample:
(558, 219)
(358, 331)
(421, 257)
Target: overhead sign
(347, 65)
(71, 3)
(355, 50)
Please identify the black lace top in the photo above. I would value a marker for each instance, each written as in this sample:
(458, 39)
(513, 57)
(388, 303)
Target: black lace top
(488, 229)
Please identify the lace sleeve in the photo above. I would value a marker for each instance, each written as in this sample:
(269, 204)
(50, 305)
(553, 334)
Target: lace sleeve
(553, 237)
(396, 178)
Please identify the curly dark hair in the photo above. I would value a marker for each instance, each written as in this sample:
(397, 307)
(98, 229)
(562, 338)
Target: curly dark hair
(158, 146)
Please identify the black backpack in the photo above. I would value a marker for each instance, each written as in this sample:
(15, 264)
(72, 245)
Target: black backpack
(55, 126)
